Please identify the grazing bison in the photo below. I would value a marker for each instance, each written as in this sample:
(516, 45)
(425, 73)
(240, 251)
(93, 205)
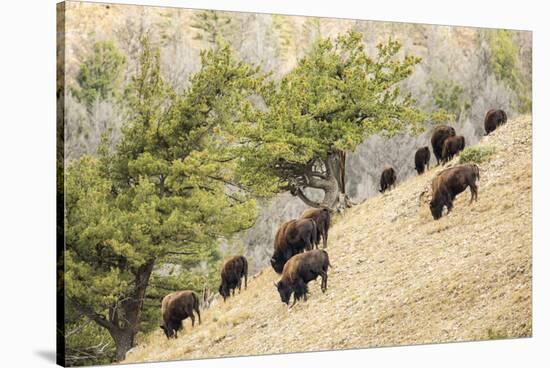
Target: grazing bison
(452, 146)
(233, 270)
(176, 307)
(387, 179)
(494, 119)
(293, 237)
(321, 216)
(451, 182)
(301, 269)
(440, 133)
(422, 159)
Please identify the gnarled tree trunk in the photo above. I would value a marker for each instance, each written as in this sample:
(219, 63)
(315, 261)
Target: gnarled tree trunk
(332, 181)
(123, 317)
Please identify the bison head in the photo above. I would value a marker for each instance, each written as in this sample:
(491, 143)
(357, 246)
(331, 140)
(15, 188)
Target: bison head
(284, 290)
(277, 265)
(224, 291)
(436, 208)
(168, 331)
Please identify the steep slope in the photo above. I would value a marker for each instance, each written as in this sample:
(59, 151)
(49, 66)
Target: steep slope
(398, 276)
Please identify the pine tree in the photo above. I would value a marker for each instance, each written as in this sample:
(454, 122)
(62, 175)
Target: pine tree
(326, 106)
(211, 25)
(166, 195)
(100, 75)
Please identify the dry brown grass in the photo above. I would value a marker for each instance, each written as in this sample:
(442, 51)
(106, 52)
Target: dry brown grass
(398, 276)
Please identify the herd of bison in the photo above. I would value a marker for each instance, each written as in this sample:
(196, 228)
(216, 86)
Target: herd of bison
(296, 254)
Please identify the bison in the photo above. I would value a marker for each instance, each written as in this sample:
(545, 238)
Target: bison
(301, 269)
(176, 307)
(451, 182)
(321, 216)
(293, 237)
(422, 159)
(494, 119)
(387, 179)
(440, 133)
(233, 270)
(452, 146)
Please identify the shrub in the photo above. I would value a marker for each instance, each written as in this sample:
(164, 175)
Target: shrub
(449, 96)
(476, 154)
(504, 63)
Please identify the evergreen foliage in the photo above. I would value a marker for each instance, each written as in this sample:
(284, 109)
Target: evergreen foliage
(165, 195)
(335, 97)
(210, 25)
(504, 63)
(100, 75)
(449, 96)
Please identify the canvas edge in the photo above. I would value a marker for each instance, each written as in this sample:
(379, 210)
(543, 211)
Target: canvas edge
(60, 184)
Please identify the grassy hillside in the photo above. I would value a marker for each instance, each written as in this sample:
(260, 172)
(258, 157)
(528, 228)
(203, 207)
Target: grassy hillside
(398, 276)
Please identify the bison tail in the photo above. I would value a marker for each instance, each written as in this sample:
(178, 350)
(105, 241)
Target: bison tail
(328, 260)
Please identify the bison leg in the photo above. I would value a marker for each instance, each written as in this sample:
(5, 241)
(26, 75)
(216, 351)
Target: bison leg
(245, 280)
(324, 278)
(189, 311)
(473, 193)
(198, 313)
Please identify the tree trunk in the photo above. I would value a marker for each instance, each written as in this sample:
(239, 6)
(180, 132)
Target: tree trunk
(332, 183)
(123, 317)
(124, 341)
(336, 171)
(132, 307)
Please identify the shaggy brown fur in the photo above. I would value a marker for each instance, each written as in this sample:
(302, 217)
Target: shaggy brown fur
(321, 216)
(422, 160)
(452, 146)
(440, 133)
(301, 269)
(451, 182)
(494, 119)
(233, 270)
(293, 237)
(176, 307)
(387, 179)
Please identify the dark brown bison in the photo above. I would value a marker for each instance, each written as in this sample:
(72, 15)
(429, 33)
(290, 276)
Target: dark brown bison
(176, 307)
(452, 146)
(494, 119)
(301, 269)
(440, 133)
(293, 237)
(233, 270)
(451, 182)
(422, 159)
(321, 216)
(387, 179)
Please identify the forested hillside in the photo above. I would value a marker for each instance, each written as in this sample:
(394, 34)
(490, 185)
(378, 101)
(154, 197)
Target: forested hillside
(191, 135)
(463, 70)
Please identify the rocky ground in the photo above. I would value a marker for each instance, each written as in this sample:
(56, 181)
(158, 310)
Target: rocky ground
(398, 276)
